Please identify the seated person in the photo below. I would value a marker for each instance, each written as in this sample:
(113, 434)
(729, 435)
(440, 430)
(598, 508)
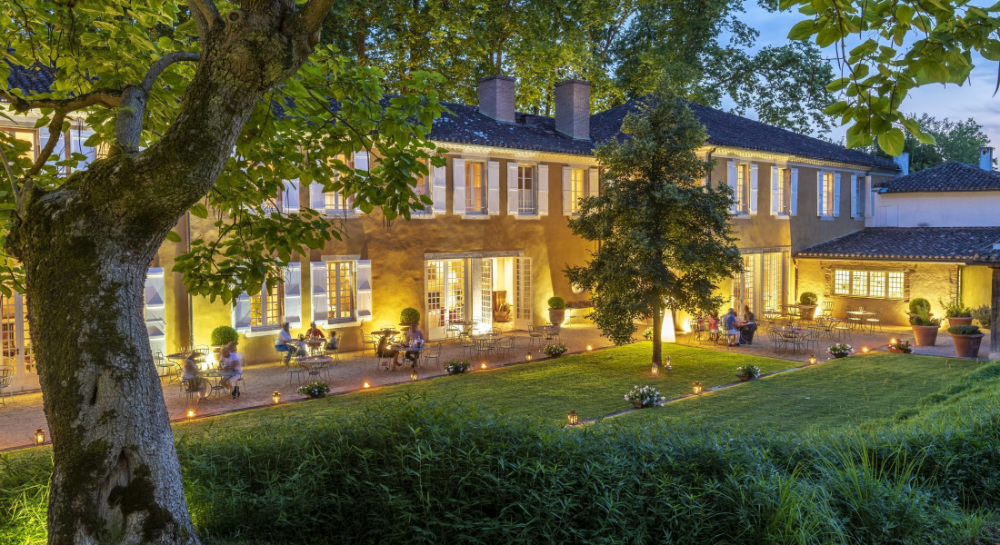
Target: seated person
(193, 382)
(315, 332)
(415, 338)
(749, 328)
(382, 349)
(333, 343)
(729, 324)
(713, 325)
(231, 365)
(285, 343)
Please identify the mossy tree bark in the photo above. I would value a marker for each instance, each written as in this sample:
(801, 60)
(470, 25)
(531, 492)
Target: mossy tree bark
(86, 248)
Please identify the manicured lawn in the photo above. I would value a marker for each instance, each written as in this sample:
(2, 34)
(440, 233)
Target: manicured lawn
(843, 392)
(593, 384)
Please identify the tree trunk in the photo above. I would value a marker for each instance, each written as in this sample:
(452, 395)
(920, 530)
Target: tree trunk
(657, 342)
(116, 476)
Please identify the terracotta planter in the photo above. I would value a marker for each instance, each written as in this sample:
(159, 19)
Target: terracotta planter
(959, 320)
(839, 355)
(743, 378)
(925, 335)
(557, 315)
(967, 346)
(636, 404)
(806, 312)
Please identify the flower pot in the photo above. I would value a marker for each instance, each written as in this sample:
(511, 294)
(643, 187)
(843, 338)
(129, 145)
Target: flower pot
(839, 355)
(316, 396)
(636, 404)
(897, 350)
(959, 320)
(806, 312)
(925, 335)
(743, 378)
(967, 346)
(557, 315)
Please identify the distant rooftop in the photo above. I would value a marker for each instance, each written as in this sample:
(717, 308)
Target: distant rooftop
(951, 176)
(965, 244)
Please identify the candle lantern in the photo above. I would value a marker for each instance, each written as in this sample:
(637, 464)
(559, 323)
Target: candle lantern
(812, 359)
(655, 370)
(572, 418)
(528, 357)
(190, 413)
(696, 388)
(276, 397)
(39, 436)
(366, 385)
(413, 375)
(669, 366)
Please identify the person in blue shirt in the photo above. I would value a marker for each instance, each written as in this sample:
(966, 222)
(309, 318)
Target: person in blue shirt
(729, 324)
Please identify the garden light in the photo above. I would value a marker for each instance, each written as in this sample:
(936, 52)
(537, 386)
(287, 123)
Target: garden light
(276, 397)
(590, 348)
(190, 413)
(812, 359)
(864, 349)
(696, 388)
(572, 418)
(413, 375)
(655, 370)
(482, 365)
(527, 357)
(39, 436)
(668, 366)
(893, 342)
(366, 385)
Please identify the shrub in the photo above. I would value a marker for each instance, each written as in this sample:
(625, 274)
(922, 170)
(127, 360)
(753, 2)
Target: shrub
(751, 371)
(224, 335)
(557, 303)
(964, 330)
(955, 309)
(808, 298)
(315, 389)
(409, 316)
(555, 350)
(456, 367)
(919, 305)
(982, 315)
(648, 334)
(924, 319)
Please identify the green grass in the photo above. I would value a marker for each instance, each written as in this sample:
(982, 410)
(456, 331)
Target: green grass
(594, 384)
(844, 392)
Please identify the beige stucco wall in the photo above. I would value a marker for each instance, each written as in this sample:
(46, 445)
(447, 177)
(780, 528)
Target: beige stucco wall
(976, 285)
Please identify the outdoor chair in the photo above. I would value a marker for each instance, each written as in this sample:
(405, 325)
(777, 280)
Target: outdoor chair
(468, 345)
(453, 332)
(495, 332)
(192, 392)
(535, 335)
(506, 346)
(841, 330)
(6, 376)
(484, 347)
(827, 309)
(333, 352)
(875, 320)
(166, 367)
(293, 368)
(812, 338)
(854, 320)
(432, 353)
(778, 341)
(552, 334)
(367, 340)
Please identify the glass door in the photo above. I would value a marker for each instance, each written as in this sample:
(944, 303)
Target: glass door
(522, 292)
(445, 289)
(15, 342)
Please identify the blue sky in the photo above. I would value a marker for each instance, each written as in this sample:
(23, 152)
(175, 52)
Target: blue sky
(973, 100)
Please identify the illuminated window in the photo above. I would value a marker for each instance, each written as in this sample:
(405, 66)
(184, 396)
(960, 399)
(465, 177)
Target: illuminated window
(772, 291)
(871, 284)
(267, 307)
(475, 187)
(340, 290)
(784, 191)
(577, 188)
(829, 193)
(527, 193)
(742, 189)
(743, 285)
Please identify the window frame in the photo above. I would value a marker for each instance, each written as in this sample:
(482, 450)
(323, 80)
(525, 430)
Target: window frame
(742, 205)
(892, 283)
(334, 289)
(829, 193)
(577, 193)
(532, 209)
(470, 189)
(784, 191)
(262, 301)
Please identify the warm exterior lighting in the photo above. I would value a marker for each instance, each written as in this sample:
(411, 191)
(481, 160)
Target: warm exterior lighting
(893, 342)
(696, 388)
(590, 348)
(572, 418)
(655, 370)
(39, 436)
(482, 365)
(276, 397)
(527, 357)
(864, 349)
(190, 413)
(413, 375)
(812, 359)
(668, 366)
(366, 385)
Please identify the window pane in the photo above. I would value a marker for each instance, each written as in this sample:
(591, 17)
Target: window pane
(859, 283)
(577, 191)
(773, 273)
(526, 190)
(876, 284)
(474, 187)
(841, 282)
(895, 285)
(741, 187)
(340, 290)
(784, 187)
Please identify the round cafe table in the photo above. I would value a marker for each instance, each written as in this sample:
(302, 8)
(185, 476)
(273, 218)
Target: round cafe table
(214, 378)
(314, 364)
(315, 345)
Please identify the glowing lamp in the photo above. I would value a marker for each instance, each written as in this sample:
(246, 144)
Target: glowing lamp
(893, 342)
(413, 375)
(190, 413)
(696, 388)
(366, 385)
(590, 348)
(812, 359)
(528, 357)
(39, 436)
(276, 397)
(572, 418)
(655, 370)
(482, 365)
(864, 349)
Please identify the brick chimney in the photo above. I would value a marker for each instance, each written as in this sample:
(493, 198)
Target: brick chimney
(573, 108)
(496, 98)
(986, 158)
(903, 162)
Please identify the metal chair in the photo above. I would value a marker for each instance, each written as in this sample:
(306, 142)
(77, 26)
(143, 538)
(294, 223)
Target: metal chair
(367, 340)
(535, 335)
(484, 346)
(506, 346)
(875, 320)
(433, 352)
(6, 376)
(778, 341)
(854, 320)
(166, 367)
(293, 369)
(552, 334)
(827, 309)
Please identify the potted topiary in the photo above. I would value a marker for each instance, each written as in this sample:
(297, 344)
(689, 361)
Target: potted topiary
(957, 313)
(807, 305)
(557, 310)
(967, 339)
(409, 317)
(982, 315)
(924, 326)
(223, 335)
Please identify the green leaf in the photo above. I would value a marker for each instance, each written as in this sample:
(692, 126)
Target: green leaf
(199, 210)
(802, 30)
(892, 142)
(172, 236)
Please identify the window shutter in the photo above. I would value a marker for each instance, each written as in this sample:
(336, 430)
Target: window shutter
(154, 309)
(317, 198)
(819, 193)
(512, 204)
(567, 190)
(836, 195)
(458, 183)
(731, 173)
(241, 313)
(293, 294)
(318, 292)
(793, 199)
(364, 287)
(360, 163)
(854, 196)
(543, 190)
(290, 196)
(753, 189)
(493, 188)
(869, 198)
(775, 193)
(594, 184)
(440, 195)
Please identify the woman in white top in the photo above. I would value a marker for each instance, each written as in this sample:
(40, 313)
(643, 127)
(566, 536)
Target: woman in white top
(231, 365)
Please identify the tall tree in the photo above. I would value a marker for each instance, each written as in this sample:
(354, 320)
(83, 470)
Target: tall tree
(203, 110)
(953, 141)
(665, 238)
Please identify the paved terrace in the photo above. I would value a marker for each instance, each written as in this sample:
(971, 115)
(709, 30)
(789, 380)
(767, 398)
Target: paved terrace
(23, 413)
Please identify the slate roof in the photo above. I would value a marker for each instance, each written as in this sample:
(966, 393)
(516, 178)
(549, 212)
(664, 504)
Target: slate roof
(951, 176)
(726, 129)
(966, 244)
(465, 125)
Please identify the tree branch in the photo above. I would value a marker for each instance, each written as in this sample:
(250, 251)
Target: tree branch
(206, 17)
(112, 98)
(55, 131)
(311, 16)
(159, 66)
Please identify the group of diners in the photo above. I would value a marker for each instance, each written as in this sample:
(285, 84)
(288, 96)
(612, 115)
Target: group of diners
(230, 369)
(293, 348)
(738, 329)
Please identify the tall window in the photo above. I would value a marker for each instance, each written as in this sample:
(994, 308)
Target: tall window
(784, 191)
(527, 202)
(29, 136)
(743, 285)
(577, 188)
(335, 200)
(267, 307)
(858, 202)
(742, 189)
(870, 284)
(423, 188)
(475, 187)
(772, 291)
(340, 290)
(829, 193)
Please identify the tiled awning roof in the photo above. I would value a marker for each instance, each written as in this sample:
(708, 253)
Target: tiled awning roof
(966, 244)
(951, 176)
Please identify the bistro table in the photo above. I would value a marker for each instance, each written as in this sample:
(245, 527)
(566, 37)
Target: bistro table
(861, 316)
(214, 378)
(314, 344)
(314, 364)
(404, 348)
(793, 334)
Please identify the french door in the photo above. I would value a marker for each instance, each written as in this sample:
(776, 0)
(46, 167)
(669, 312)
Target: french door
(522, 292)
(446, 290)
(15, 342)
